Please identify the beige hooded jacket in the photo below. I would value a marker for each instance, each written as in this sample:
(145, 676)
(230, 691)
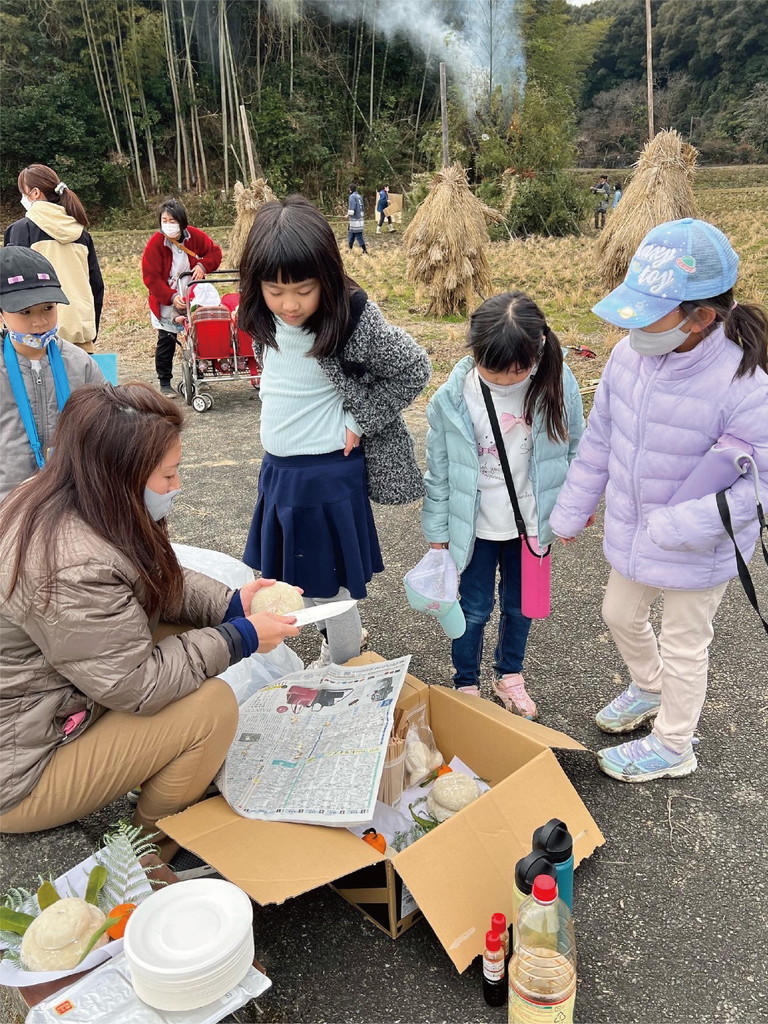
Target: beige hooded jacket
(64, 242)
(90, 649)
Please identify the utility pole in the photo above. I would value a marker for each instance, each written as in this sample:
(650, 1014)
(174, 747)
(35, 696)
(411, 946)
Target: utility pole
(444, 113)
(649, 65)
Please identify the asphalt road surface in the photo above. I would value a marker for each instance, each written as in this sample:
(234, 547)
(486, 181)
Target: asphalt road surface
(670, 913)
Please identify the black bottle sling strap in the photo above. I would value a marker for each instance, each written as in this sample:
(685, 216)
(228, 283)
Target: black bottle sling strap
(741, 565)
(502, 453)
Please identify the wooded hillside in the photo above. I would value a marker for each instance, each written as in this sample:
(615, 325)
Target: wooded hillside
(129, 98)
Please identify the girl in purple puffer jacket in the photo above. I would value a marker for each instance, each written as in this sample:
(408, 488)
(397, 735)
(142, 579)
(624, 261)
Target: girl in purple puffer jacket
(692, 368)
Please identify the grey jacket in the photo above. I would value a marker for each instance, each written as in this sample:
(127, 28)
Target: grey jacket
(379, 372)
(17, 462)
(90, 649)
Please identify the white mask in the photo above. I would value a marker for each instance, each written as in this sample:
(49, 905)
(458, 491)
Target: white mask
(26, 202)
(649, 343)
(170, 228)
(159, 505)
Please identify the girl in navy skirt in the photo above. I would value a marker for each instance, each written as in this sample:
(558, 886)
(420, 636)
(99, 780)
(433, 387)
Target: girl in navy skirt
(335, 378)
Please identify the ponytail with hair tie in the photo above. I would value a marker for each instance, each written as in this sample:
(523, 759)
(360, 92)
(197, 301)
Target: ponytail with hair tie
(61, 187)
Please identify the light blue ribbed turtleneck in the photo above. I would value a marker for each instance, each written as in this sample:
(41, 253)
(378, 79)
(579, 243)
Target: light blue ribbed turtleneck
(301, 411)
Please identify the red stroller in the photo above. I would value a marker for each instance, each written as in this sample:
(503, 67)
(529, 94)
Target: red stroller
(213, 348)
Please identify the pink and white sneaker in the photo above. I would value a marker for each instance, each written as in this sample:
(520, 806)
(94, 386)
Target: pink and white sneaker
(510, 690)
(471, 691)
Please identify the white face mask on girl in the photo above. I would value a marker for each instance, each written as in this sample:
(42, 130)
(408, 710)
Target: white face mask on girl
(170, 228)
(648, 343)
(26, 202)
(159, 505)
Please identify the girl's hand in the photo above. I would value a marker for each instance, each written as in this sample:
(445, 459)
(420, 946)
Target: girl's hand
(353, 441)
(198, 272)
(272, 629)
(570, 540)
(438, 546)
(179, 303)
(248, 592)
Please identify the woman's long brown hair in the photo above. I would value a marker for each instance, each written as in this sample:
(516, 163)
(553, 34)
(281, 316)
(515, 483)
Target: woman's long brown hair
(46, 179)
(106, 445)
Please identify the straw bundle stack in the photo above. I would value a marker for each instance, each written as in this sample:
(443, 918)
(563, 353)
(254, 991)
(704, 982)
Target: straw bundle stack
(445, 244)
(247, 202)
(659, 190)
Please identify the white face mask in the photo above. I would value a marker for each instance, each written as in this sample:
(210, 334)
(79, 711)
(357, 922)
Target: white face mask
(649, 343)
(26, 202)
(170, 228)
(159, 505)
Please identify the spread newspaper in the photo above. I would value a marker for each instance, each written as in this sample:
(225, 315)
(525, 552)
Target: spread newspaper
(311, 747)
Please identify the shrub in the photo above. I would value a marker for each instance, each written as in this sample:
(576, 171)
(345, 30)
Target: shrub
(548, 204)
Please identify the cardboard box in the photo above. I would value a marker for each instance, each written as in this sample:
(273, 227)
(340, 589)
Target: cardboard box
(458, 874)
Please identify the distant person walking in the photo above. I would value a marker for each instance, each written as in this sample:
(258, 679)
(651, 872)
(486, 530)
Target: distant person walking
(617, 194)
(603, 192)
(381, 208)
(54, 225)
(356, 218)
(175, 249)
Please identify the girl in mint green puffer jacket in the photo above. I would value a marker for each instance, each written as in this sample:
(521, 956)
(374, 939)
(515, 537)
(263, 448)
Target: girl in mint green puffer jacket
(467, 507)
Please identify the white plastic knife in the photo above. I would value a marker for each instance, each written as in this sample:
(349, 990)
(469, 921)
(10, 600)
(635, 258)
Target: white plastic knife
(323, 611)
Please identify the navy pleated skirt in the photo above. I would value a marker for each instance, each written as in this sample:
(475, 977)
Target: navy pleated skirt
(313, 525)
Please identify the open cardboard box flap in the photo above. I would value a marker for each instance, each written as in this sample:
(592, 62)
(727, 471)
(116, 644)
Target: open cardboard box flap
(461, 872)
(270, 860)
(457, 872)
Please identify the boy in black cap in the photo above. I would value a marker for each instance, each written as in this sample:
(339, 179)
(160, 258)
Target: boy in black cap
(38, 370)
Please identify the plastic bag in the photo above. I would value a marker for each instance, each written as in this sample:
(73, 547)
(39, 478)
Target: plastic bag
(250, 674)
(202, 293)
(421, 754)
(106, 995)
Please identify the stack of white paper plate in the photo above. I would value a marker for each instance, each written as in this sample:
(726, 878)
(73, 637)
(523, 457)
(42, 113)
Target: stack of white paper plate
(189, 943)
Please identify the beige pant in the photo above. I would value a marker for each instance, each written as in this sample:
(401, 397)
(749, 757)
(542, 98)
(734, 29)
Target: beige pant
(674, 666)
(173, 755)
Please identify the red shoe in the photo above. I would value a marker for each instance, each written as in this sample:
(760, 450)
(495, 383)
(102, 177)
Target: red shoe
(510, 690)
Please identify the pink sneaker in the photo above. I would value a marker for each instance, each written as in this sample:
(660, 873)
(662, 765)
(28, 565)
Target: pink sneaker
(471, 691)
(511, 692)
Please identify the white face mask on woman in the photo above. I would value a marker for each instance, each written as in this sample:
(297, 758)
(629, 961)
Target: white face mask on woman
(26, 202)
(170, 228)
(660, 343)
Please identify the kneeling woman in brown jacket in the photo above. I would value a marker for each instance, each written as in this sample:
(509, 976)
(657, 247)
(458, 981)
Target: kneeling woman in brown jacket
(90, 705)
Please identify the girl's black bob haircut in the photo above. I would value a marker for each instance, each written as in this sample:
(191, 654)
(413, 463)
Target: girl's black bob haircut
(291, 241)
(176, 209)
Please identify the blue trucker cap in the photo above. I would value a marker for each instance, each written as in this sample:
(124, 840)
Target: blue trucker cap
(676, 262)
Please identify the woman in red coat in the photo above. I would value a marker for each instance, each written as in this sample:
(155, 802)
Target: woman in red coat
(174, 249)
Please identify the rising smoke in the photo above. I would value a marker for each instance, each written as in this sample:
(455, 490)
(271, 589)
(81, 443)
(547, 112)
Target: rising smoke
(479, 40)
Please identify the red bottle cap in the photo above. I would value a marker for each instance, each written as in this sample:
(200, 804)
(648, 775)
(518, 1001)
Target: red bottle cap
(498, 923)
(544, 889)
(492, 941)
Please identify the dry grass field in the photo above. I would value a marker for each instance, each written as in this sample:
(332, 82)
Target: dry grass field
(558, 272)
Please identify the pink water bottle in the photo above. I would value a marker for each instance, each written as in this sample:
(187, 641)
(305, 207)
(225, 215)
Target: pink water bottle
(536, 579)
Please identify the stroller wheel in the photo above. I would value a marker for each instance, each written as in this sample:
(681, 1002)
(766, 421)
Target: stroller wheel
(199, 403)
(208, 399)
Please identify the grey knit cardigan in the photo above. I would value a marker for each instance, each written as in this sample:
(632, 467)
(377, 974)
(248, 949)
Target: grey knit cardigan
(378, 372)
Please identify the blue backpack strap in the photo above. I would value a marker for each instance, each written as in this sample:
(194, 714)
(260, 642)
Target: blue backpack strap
(22, 400)
(60, 383)
(60, 379)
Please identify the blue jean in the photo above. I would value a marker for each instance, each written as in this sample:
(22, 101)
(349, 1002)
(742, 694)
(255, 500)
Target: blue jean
(477, 598)
(352, 235)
